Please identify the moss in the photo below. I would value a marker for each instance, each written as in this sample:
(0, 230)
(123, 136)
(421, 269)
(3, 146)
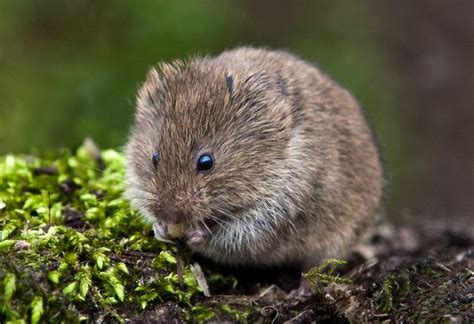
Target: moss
(383, 299)
(201, 313)
(220, 312)
(237, 314)
(324, 274)
(72, 248)
(429, 289)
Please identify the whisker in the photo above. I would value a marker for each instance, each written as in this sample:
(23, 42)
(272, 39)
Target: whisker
(203, 223)
(227, 214)
(218, 220)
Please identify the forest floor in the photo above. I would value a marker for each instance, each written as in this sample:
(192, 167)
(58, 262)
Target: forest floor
(403, 275)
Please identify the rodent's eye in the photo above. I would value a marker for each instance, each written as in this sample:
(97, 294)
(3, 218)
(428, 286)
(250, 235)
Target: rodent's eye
(155, 159)
(205, 162)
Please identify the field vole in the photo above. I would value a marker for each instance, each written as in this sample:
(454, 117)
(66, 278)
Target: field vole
(253, 157)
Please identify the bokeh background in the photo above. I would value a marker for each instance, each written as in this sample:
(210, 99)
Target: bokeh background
(70, 69)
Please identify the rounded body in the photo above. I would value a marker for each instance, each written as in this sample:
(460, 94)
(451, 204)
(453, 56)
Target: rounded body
(295, 174)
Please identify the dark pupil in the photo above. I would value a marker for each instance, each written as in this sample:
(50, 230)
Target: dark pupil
(205, 162)
(156, 159)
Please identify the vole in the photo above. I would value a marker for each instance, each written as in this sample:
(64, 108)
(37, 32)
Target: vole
(253, 157)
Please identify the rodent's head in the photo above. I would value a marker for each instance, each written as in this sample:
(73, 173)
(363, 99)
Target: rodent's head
(205, 142)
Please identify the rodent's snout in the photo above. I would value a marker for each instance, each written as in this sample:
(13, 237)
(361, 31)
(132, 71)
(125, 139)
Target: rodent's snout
(179, 209)
(171, 223)
(171, 214)
(175, 223)
(183, 217)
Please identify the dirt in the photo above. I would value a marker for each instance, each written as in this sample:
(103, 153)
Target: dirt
(403, 275)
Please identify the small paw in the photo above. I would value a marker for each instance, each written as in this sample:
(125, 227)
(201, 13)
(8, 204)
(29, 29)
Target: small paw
(196, 237)
(160, 231)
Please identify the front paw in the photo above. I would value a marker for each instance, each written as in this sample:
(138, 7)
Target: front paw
(161, 232)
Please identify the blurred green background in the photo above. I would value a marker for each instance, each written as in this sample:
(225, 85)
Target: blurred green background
(70, 69)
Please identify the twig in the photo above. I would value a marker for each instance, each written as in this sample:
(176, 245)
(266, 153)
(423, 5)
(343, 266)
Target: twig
(179, 265)
(200, 278)
(122, 259)
(140, 254)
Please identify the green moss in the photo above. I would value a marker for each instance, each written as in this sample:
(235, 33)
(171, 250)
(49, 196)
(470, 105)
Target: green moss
(202, 313)
(428, 289)
(383, 299)
(71, 246)
(324, 274)
(237, 314)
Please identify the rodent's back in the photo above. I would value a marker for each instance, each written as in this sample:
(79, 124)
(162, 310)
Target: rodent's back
(341, 159)
(340, 163)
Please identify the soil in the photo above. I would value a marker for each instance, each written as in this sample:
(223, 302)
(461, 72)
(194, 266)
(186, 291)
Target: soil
(403, 275)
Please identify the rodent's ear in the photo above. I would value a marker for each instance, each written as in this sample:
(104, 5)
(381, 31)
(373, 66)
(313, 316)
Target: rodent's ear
(229, 80)
(282, 85)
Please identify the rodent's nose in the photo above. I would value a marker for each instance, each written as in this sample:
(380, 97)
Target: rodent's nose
(179, 208)
(173, 215)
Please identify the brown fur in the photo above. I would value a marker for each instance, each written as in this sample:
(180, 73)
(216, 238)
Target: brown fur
(297, 175)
